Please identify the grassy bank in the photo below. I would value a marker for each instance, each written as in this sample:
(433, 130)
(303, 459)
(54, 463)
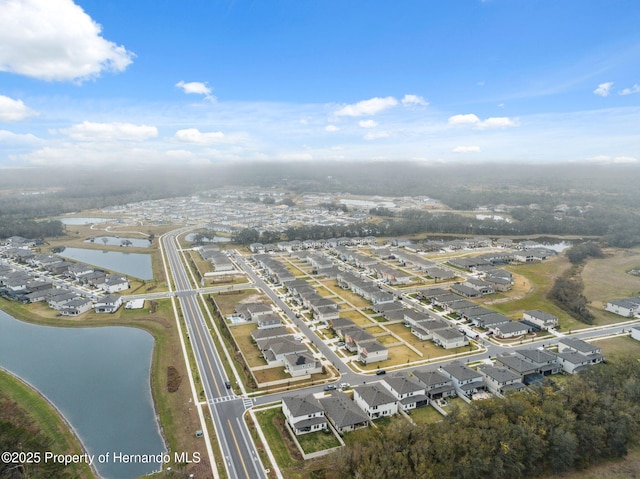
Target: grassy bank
(176, 411)
(37, 411)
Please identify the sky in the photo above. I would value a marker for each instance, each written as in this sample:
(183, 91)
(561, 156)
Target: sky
(196, 82)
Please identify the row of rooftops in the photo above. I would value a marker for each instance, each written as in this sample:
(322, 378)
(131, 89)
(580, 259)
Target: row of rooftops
(424, 385)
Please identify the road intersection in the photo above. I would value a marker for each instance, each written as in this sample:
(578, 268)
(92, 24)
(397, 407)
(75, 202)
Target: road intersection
(227, 409)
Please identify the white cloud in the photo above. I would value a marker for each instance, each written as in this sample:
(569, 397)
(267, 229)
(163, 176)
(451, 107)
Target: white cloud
(469, 119)
(367, 124)
(331, 128)
(466, 149)
(630, 91)
(55, 40)
(414, 100)
(604, 89)
(494, 122)
(376, 135)
(7, 137)
(13, 110)
(367, 107)
(193, 135)
(497, 122)
(196, 88)
(89, 131)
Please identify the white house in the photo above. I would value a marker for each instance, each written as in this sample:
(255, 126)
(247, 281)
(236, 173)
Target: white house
(372, 352)
(541, 319)
(627, 307)
(108, 304)
(343, 413)
(300, 364)
(467, 381)
(510, 330)
(76, 307)
(501, 380)
(574, 354)
(304, 414)
(449, 338)
(375, 400)
(409, 392)
(114, 283)
(635, 332)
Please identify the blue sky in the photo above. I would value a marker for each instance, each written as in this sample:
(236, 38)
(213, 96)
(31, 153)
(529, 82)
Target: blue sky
(100, 82)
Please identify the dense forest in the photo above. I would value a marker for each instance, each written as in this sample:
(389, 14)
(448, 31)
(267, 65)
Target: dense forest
(593, 417)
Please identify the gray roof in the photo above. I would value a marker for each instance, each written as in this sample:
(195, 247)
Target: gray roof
(512, 327)
(431, 378)
(498, 374)
(460, 371)
(342, 411)
(302, 405)
(375, 394)
(536, 313)
(515, 363)
(402, 384)
(260, 334)
(579, 345)
(448, 334)
(537, 356)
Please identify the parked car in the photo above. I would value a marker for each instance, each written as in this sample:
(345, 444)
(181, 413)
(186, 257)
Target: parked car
(330, 387)
(380, 372)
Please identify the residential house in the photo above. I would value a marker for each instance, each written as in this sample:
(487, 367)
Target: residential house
(436, 384)
(275, 349)
(269, 320)
(467, 381)
(575, 354)
(501, 380)
(542, 320)
(487, 321)
(252, 311)
(114, 283)
(545, 361)
(628, 307)
(301, 364)
(408, 391)
(58, 298)
(76, 306)
(343, 414)
(375, 400)
(372, 352)
(304, 414)
(268, 333)
(511, 329)
(108, 304)
(449, 338)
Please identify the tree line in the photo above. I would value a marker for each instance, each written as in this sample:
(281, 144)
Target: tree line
(594, 417)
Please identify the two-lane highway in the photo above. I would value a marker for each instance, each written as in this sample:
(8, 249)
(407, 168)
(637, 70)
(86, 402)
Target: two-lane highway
(240, 455)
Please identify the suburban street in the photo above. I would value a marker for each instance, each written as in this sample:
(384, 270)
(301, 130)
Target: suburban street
(227, 410)
(240, 455)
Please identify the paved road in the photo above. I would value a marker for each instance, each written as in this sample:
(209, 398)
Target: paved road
(240, 456)
(227, 410)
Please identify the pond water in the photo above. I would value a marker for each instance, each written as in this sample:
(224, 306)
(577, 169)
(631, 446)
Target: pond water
(558, 247)
(117, 241)
(131, 264)
(98, 378)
